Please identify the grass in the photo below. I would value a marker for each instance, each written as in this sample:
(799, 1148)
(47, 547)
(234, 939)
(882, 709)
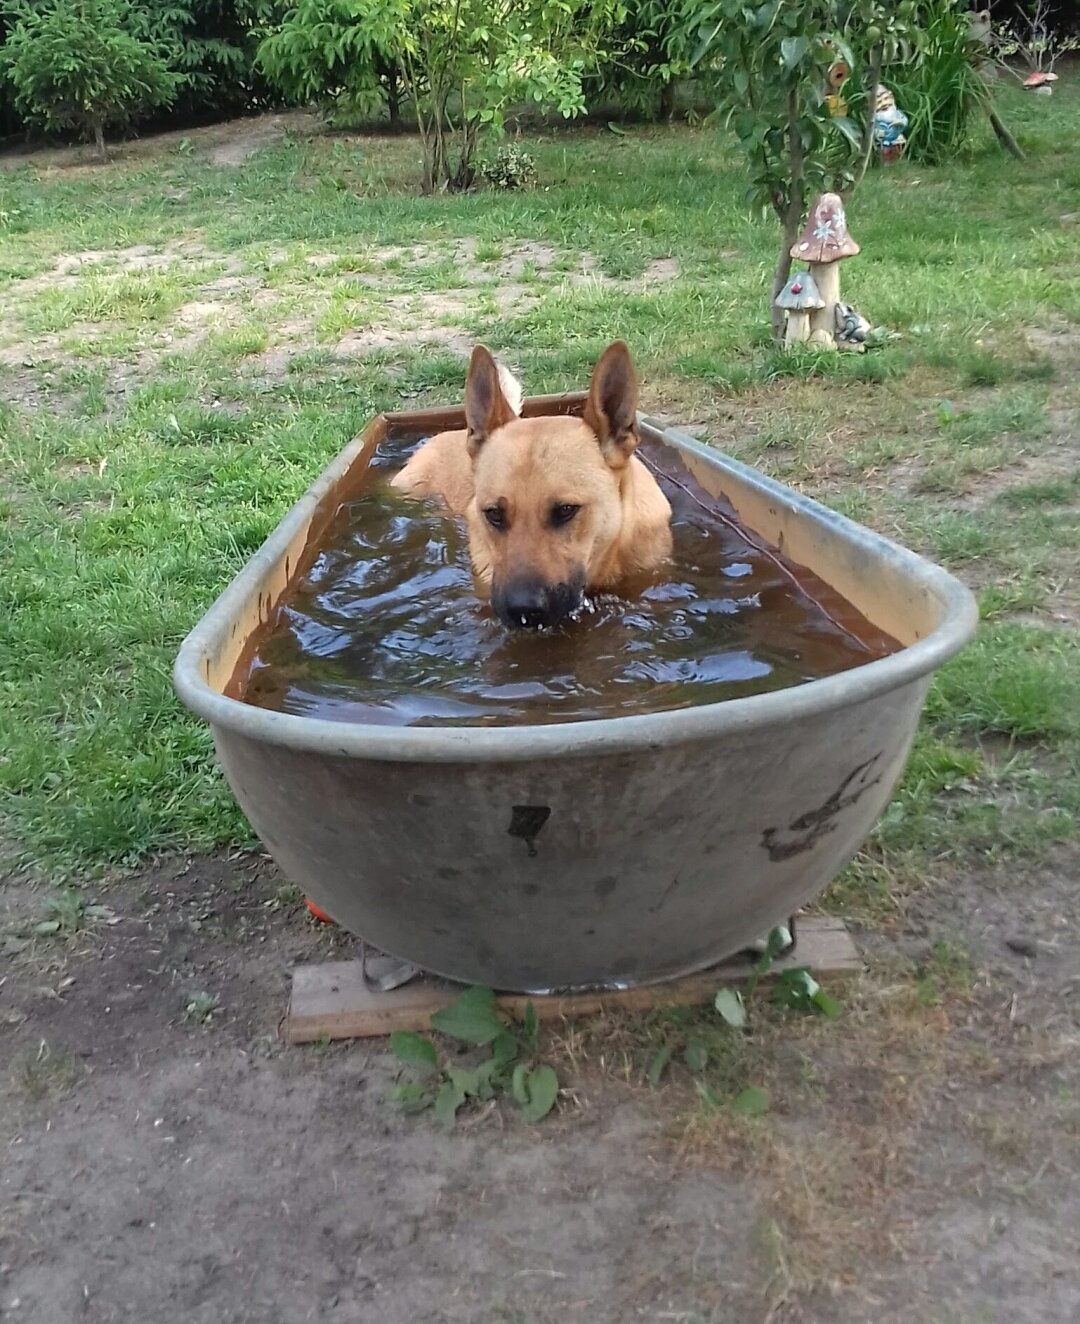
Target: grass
(160, 419)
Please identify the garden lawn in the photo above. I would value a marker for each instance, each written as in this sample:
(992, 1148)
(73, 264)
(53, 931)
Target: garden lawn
(190, 333)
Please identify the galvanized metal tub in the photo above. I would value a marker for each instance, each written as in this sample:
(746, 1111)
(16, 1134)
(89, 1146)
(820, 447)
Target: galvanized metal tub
(596, 853)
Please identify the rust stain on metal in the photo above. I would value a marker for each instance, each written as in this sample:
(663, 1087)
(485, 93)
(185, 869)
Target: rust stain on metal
(804, 832)
(526, 822)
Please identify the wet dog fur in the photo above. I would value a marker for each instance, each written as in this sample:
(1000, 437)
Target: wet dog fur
(555, 506)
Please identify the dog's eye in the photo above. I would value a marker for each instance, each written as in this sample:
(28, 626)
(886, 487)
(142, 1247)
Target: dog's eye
(563, 514)
(495, 516)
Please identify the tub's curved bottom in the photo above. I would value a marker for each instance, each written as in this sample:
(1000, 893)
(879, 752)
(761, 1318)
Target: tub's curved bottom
(596, 871)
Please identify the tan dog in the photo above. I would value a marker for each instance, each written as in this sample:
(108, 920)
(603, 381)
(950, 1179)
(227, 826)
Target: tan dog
(554, 505)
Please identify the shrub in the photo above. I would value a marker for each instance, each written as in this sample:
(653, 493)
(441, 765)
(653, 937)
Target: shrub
(648, 57)
(75, 64)
(510, 168)
(211, 44)
(942, 90)
(463, 63)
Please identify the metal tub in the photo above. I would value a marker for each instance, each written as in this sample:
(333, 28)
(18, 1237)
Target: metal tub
(595, 853)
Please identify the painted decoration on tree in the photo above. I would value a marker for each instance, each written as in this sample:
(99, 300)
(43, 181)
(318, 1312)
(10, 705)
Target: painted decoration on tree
(837, 77)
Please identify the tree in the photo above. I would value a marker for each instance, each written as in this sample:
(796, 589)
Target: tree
(74, 64)
(645, 59)
(463, 63)
(770, 62)
(212, 45)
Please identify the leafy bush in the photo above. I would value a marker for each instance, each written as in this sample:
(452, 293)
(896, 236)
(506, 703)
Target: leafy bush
(340, 54)
(462, 63)
(941, 91)
(647, 57)
(75, 65)
(211, 44)
(510, 168)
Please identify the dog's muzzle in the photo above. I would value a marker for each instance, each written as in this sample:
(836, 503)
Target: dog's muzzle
(528, 604)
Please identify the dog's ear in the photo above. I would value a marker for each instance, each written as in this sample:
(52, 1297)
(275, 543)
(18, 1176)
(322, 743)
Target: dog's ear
(611, 409)
(486, 407)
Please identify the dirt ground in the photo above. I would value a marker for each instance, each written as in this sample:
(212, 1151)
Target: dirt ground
(158, 1169)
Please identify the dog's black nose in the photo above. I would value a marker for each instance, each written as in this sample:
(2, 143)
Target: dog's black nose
(526, 607)
(530, 604)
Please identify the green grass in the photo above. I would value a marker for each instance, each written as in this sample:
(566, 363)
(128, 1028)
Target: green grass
(157, 428)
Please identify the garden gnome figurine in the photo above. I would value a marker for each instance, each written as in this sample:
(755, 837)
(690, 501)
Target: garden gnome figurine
(799, 298)
(889, 124)
(823, 245)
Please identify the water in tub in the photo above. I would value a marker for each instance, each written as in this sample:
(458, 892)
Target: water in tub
(385, 625)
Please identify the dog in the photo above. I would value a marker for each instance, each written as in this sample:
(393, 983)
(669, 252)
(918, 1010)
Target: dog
(555, 506)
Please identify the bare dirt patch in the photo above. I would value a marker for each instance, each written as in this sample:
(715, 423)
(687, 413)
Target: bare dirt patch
(920, 1161)
(235, 140)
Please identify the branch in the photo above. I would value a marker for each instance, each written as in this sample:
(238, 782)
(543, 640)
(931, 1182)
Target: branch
(868, 127)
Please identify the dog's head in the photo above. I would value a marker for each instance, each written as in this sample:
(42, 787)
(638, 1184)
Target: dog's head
(547, 510)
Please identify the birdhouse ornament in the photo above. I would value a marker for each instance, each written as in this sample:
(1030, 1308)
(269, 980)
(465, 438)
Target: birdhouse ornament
(837, 77)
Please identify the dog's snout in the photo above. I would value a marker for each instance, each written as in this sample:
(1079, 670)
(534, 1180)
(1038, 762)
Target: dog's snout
(526, 606)
(531, 605)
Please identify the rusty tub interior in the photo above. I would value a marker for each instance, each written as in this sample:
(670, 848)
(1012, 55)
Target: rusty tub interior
(537, 839)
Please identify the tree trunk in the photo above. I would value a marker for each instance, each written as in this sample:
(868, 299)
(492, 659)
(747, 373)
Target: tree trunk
(99, 139)
(1004, 136)
(868, 128)
(393, 95)
(793, 211)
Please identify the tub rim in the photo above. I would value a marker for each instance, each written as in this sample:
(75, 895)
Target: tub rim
(529, 742)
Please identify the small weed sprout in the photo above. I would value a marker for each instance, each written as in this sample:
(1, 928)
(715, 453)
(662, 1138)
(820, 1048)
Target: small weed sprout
(201, 1007)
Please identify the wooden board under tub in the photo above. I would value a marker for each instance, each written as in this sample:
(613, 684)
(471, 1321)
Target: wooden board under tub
(332, 1000)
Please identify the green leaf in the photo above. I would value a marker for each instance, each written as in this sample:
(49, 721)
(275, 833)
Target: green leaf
(531, 1025)
(486, 1074)
(704, 43)
(543, 1090)
(616, 129)
(729, 1003)
(849, 129)
(472, 1017)
(468, 1082)
(792, 50)
(447, 1102)
(412, 1098)
(844, 51)
(752, 1102)
(46, 926)
(504, 1049)
(696, 1055)
(518, 1087)
(413, 1048)
(826, 1004)
(658, 1065)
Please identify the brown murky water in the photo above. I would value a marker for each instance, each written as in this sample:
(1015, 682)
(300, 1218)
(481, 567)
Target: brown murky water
(385, 626)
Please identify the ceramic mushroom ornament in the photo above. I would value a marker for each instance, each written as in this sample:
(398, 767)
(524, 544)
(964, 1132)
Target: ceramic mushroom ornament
(823, 245)
(799, 298)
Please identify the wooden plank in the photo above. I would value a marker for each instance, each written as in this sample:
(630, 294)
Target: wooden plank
(331, 999)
